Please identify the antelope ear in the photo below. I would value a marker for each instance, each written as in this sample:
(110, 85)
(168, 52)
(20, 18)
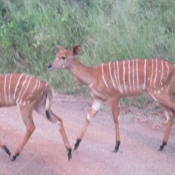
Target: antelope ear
(60, 49)
(76, 49)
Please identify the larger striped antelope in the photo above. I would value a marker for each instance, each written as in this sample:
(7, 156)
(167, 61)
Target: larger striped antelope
(29, 93)
(113, 80)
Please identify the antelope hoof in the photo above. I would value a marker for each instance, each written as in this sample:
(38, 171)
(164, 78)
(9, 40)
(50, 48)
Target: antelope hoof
(14, 157)
(77, 144)
(116, 147)
(6, 150)
(69, 153)
(162, 146)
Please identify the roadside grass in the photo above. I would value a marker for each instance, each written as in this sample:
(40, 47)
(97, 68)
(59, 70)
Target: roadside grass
(106, 30)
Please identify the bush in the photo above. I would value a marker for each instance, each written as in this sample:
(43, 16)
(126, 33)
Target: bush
(107, 30)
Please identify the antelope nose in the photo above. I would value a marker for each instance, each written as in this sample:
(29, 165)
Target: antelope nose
(49, 66)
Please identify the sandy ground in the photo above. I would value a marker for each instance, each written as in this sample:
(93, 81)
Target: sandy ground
(45, 154)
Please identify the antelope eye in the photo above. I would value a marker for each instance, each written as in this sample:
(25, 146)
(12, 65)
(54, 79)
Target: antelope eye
(63, 58)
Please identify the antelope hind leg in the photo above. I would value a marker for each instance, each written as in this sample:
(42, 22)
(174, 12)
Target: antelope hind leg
(30, 127)
(115, 113)
(167, 104)
(55, 119)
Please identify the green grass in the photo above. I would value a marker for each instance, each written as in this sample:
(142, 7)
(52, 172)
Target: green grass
(106, 30)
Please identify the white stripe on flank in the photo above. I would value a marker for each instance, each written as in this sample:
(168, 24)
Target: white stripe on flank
(19, 94)
(167, 70)
(17, 85)
(26, 87)
(124, 83)
(103, 76)
(129, 72)
(39, 82)
(110, 73)
(118, 75)
(144, 86)
(36, 84)
(119, 88)
(161, 83)
(133, 75)
(5, 95)
(9, 96)
(155, 78)
(152, 72)
(137, 72)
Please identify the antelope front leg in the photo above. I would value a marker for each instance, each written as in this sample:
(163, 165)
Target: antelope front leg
(167, 132)
(30, 127)
(115, 113)
(92, 112)
(170, 119)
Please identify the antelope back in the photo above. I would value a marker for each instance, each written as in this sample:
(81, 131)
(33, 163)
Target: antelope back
(20, 89)
(133, 76)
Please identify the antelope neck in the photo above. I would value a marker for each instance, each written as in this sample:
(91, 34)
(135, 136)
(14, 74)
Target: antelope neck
(82, 73)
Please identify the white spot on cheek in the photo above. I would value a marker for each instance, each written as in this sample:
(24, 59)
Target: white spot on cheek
(88, 117)
(158, 92)
(63, 66)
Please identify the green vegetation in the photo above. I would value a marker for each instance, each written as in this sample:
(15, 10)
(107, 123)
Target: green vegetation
(106, 30)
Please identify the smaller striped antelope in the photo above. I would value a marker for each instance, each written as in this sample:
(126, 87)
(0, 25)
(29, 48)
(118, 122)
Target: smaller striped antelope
(113, 80)
(29, 93)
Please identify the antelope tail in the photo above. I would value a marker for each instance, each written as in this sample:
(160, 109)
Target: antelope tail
(49, 99)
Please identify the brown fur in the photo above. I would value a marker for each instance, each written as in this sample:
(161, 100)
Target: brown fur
(113, 80)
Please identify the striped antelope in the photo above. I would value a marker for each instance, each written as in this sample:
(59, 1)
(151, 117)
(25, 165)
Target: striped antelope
(29, 93)
(113, 80)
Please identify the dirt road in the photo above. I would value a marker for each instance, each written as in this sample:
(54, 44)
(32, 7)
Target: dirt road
(45, 154)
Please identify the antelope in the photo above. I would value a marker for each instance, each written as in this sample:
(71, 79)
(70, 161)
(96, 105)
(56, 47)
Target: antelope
(113, 80)
(29, 93)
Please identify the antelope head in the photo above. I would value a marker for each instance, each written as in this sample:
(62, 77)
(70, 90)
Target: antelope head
(64, 57)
